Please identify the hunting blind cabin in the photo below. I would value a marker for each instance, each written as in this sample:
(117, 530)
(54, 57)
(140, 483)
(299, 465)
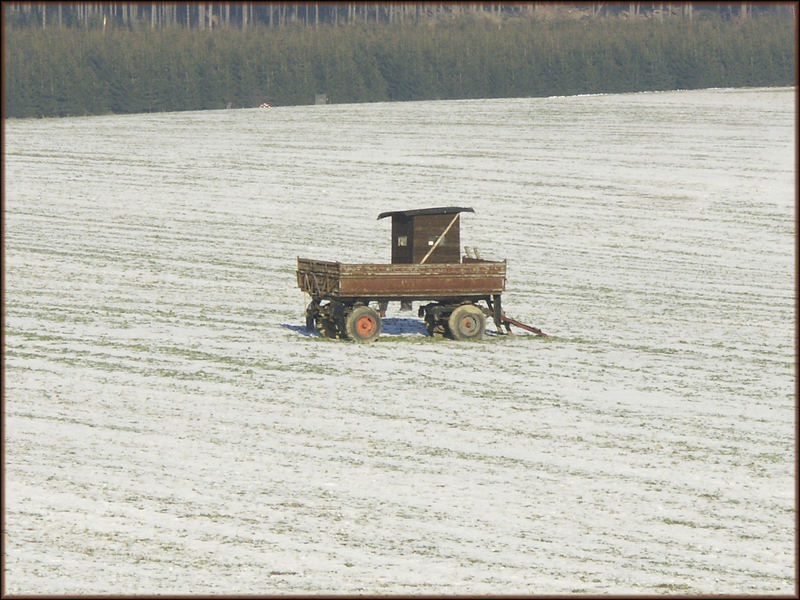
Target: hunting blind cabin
(426, 267)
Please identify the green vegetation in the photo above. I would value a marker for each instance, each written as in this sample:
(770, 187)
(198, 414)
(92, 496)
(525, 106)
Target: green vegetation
(60, 71)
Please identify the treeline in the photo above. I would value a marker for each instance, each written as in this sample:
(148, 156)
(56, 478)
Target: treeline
(70, 71)
(210, 15)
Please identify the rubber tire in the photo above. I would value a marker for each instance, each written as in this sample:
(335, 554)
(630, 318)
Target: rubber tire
(430, 326)
(326, 327)
(312, 314)
(363, 324)
(467, 322)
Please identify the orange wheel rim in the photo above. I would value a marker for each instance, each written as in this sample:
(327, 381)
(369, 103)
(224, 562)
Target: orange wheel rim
(365, 326)
(467, 324)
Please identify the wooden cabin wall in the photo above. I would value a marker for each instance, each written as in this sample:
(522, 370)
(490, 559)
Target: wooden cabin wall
(401, 228)
(427, 229)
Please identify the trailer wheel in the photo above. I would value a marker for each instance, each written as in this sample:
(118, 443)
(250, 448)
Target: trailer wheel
(326, 327)
(430, 326)
(467, 322)
(435, 327)
(363, 324)
(312, 313)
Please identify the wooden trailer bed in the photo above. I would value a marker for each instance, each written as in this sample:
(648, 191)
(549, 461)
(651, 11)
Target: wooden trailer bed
(325, 280)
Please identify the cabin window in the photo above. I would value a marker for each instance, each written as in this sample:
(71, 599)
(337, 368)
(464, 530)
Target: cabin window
(402, 240)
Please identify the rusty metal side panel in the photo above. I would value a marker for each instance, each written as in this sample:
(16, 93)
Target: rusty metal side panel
(318, 278)
(399, 280)
(326, 279)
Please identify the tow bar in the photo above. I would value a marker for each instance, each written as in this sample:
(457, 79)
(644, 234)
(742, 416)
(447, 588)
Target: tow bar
(508, 322)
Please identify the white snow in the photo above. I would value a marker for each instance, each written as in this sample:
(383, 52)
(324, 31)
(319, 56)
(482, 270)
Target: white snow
(170, 427)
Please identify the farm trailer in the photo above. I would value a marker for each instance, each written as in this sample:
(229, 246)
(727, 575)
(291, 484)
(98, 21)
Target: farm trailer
(426, 266)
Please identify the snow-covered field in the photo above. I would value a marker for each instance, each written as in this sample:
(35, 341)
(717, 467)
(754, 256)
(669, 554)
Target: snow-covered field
(170, 427)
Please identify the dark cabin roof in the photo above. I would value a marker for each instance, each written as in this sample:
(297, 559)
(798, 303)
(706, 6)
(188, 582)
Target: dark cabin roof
(444, 210)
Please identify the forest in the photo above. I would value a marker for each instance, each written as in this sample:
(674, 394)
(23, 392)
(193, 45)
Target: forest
(84, 59)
